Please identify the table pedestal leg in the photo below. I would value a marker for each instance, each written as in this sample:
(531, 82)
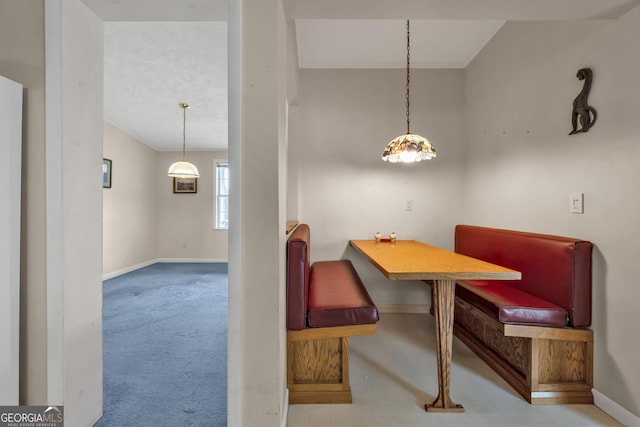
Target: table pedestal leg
(443, 306)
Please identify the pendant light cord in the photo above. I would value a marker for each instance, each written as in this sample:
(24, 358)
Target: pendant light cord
(184, 128)
(408, 76)
(184, 131)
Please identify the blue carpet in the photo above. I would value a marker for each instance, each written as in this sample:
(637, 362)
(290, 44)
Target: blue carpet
(165, 346)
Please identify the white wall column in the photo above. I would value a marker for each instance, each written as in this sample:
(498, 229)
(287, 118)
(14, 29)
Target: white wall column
(256, 234)
(10, 188)
(54, 221)
(74, 91)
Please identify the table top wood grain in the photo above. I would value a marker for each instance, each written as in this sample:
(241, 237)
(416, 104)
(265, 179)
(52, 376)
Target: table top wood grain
(414, 260)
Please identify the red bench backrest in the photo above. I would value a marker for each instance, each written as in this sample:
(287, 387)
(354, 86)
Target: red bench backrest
(298, 247)
(557, 269)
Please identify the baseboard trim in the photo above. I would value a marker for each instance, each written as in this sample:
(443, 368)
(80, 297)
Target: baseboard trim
(127, 270)
(616, 411)
(403, 308)
(155, 261)
(177, 260)
(285, 412)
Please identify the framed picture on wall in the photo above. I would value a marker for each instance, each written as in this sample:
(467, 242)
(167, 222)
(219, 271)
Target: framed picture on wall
(185, 185)
(106, 173)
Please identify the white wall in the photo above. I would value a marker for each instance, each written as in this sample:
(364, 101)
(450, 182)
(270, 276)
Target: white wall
(60, 303)
(61, 256)
(10, 186)
(130, 223)
(23, 62)
(342, 123)
(523, 165)
(185, 220)
(144, 221)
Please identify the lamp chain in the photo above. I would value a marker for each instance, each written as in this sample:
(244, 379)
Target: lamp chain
(408, 76)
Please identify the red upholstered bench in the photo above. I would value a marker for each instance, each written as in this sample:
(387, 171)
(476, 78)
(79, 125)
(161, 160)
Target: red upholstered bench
(326, 304)
(531, 331)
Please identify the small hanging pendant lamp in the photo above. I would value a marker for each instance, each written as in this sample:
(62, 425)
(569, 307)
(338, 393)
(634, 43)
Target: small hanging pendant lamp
(410, 147)
(183, 169)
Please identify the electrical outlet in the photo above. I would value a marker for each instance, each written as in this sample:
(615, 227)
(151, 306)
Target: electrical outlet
(409, 206)
(576, 203)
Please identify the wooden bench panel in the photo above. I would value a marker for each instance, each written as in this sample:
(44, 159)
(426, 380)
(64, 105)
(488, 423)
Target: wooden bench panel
(318, 371)
(318, 363)
(545, 365)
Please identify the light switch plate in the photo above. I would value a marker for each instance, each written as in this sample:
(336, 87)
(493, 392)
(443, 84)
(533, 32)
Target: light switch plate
(576, 203)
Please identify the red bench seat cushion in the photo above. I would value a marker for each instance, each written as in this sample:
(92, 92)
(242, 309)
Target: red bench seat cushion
(298, 267)
(511, 305)
(337, 296)
(554, 268)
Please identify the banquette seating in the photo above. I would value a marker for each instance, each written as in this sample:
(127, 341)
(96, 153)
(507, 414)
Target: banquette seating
(326, 304)
(532, 332)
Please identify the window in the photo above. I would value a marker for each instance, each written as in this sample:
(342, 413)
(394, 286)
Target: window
(222, 194)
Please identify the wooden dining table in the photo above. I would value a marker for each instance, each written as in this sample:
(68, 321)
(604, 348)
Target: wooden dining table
(414, 260)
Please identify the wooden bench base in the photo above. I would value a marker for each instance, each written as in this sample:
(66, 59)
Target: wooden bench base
(545, 365)
(318, 363)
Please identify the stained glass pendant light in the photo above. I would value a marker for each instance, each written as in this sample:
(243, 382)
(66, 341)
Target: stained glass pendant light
(183, 169)
(410, 147)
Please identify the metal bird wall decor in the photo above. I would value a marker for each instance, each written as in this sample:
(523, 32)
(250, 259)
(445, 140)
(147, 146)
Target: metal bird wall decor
(581, 107)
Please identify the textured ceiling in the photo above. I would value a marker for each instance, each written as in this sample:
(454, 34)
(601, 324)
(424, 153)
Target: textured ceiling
(151, 67)
(159, 53)
(159, 10)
